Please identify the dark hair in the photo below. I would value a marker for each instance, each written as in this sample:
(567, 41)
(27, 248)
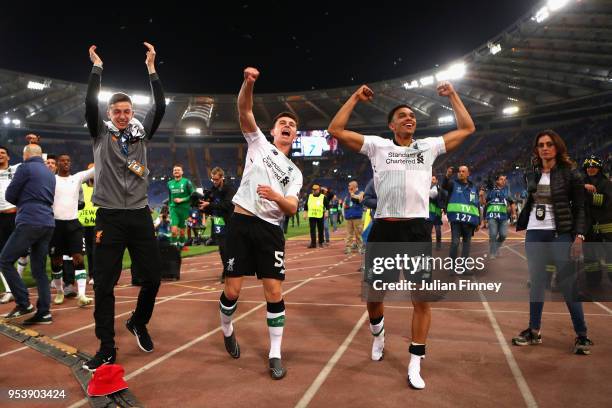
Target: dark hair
(562, 155)
(395, 109)
(119, 97)
(497, 177)
(285, 114)
(61, 154)
(52, 157)
(5, 149)
(177, 165)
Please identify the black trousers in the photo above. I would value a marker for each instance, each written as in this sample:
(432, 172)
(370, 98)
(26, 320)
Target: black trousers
(89, 234)
(115, 231)
(316, 223)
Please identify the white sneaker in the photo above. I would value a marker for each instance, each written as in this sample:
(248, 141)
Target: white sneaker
(91, 281)
(414, 375)
(378, 346)
(59, 298)
(7, 297)
(84, 301)
(52, 284)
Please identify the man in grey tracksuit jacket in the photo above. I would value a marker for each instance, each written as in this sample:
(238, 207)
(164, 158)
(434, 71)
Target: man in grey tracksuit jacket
(123, 219)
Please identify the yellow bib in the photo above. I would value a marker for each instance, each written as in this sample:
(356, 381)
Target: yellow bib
(315, 206)
(87, 216)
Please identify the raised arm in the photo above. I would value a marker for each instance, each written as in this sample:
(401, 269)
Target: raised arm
(337, 127)
(465, 125)
(157, 111)
(85, 175)
(92, 113)
(447, 183)
(245, 101)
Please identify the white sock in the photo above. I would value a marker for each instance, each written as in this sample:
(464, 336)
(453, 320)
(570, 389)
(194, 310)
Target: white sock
(276, 325)
(378, 345)
(21, 265)
(376, 329)
(414, 370)
(226, 318)
(81, 278)
(57, 281)
(5, 283)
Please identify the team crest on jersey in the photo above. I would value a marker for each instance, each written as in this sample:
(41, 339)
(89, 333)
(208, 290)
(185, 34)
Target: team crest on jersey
(275, 152)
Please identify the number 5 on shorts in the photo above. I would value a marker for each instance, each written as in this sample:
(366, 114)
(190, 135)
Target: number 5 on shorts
(278, 255)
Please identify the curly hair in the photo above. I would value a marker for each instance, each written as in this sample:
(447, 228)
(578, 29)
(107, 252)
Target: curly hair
(562, 156)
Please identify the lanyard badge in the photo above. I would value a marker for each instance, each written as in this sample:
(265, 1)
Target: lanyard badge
(540, 212)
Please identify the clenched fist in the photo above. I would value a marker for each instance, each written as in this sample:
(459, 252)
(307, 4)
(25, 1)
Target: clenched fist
(364, 93)
(251, 74)
(445, 88)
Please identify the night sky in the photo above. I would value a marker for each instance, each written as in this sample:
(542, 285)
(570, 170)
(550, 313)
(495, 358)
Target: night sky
(297, 45)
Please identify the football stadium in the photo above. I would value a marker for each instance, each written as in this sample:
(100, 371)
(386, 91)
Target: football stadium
(401, 181)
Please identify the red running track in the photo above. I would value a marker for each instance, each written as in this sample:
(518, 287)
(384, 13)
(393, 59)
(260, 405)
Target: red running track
(326, 346)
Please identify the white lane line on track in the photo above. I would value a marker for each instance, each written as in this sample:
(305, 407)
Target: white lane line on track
(514, 367)
(93, 324)
(320, 379)
(435, 309)
(185, 346)
(208, 334)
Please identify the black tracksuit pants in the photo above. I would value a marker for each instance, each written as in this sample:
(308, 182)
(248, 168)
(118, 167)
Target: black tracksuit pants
(115, 231)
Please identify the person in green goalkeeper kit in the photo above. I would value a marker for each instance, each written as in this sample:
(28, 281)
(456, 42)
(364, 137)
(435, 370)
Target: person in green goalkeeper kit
(179, 197)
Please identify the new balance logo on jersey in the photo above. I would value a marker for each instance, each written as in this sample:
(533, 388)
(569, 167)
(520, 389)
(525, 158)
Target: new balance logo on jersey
(420, 158)
(230, 265)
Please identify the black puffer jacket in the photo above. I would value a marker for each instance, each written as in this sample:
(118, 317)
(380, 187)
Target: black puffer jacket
(567, 190)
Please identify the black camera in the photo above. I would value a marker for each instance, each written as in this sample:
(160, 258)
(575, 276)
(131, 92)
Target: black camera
(206, 195)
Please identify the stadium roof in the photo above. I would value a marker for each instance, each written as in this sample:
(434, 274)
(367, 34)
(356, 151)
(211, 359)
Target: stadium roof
(561, 51)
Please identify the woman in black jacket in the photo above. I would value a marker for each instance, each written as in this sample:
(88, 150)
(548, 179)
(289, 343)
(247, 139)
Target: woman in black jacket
(554, 218)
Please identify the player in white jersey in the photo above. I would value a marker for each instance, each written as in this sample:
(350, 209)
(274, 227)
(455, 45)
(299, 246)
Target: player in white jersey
(402, 175)
(255, 243)
(68, 234)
